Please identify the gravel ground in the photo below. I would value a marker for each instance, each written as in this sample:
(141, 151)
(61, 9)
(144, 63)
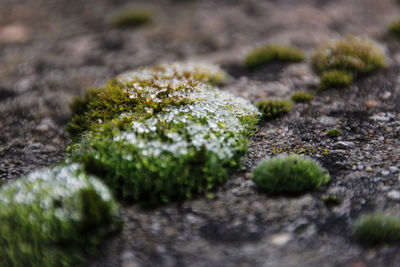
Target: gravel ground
(52, 50)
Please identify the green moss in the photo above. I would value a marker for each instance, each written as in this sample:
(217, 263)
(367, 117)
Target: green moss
(165, 134)
(302, 97)
(335, 79)
(54, 217)
(271, 109)
(377, 229)
(339, 62)
(394, 28)
(292, 174)
(273, 53)
(131, 18)
(333, 133)
(104, 104)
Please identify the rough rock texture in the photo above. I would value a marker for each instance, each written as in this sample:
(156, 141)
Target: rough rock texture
(59, 49)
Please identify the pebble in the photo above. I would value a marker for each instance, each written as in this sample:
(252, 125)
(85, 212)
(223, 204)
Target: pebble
(394, 195)
(326, 120)
(385, 172)
(386, 95)
(368, 169)
(344, 145)
(393, 169)
(280, 239)
(371, 104)
(14, 34)
(128, 259)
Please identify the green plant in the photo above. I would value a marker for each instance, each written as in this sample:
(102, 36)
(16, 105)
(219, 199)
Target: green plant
(100, 105)
(340, 62)
(164, 133)
(377, 229)
(394, 28)
(54, 217)
(292, 174)
(131, 17)
(333, 133)
(335, 79)
(271, 109)
(302, 97)
(273, 53)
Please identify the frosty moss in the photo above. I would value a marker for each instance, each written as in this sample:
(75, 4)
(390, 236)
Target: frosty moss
(338, 63)
(172, 136)
(54, 217)
(118, 96)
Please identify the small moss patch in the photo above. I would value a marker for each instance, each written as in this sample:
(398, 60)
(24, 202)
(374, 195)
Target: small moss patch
(302, 97)
(377, 229)
(333, 133)
(131, 18)
(164, 133)
(394, 28)
(54, 217)
(292, 174)
(272, 53)
(271, 109)
(335, 79)
(340, 62)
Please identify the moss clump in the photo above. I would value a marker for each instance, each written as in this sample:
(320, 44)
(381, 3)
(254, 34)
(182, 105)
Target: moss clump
(292, 174)
(394, 28)
(131, 18)
(302, 97)
(104, 104)
(164, 134)
(377, 229)
(340, 62)
(333, 133)
(271, 109)
(54, 217)
(335, 79)
(273, 53)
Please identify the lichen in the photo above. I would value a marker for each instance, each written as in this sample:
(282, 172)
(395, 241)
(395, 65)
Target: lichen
(293, 175)
(272, 53)
(174, 135)
(340, 62)
(54, 217)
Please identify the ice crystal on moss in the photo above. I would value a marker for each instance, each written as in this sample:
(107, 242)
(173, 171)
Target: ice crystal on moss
(53, 217)
(180, 136)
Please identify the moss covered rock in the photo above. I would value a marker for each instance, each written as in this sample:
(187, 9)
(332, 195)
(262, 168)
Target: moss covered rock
(166, 134)
(54, 217)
